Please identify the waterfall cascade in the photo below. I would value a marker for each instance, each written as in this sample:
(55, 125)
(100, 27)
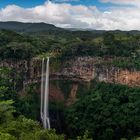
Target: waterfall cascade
(44, 112)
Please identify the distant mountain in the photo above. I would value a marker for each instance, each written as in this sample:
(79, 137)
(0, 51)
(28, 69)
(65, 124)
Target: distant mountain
(28, 27)
(44, 28)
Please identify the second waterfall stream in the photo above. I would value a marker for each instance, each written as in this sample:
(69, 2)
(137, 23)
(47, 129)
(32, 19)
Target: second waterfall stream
(44, 110)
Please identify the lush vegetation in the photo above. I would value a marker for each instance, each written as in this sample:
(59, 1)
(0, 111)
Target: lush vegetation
(13, 125)
(106, 111)
(64, 43)
(101, 111)
(14, 45)
(125, 63)
(19, 112)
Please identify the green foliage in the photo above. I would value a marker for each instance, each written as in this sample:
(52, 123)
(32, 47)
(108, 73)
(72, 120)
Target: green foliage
(27, 129)
(9, 78)
(137, 139)
(84, 137)
(29, 104)
(8, 84)
(21, 126)
(107, 112)
(129, 63)
(124, 63)
(108, 38)
(14, 45)
(47, 135)
(6, 111)
(6, 136)
(19, 50)
(65, 44)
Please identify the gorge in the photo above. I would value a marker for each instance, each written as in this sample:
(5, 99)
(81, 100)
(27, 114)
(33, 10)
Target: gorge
(77, 70)
(93, 79)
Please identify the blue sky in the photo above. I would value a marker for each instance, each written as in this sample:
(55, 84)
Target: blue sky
(95, 14)
(23, 3)
(32, 3)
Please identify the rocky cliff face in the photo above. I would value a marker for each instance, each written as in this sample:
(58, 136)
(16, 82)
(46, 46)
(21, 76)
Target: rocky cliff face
(89, 68)
(76, 70)
(80, 69)
(116, 75)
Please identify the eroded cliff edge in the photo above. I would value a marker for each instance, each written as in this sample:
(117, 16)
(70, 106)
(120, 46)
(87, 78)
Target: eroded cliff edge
(69, 76)
(78, 69)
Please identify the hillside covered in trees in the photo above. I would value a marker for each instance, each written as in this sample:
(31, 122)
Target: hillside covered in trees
(101, 111)
(64, 43)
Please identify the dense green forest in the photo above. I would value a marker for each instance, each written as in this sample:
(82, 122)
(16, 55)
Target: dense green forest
(107, 111)
(13, 123)
(19, 115)
(101, 112)
(64, 43)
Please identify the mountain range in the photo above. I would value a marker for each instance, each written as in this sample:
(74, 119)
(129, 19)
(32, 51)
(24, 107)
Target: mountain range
(28, 27)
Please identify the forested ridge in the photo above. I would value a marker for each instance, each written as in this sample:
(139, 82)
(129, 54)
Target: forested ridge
(101, 111)
(64, 43)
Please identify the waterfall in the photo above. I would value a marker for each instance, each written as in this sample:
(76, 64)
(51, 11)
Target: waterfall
(44, 111)
(42, 90)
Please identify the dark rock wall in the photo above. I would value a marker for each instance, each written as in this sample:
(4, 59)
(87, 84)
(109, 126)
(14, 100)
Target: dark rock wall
(77, 70)
(81, 69)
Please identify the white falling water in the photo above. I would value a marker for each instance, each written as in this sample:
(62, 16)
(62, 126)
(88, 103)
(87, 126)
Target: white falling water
(44, 113)
(42, 89)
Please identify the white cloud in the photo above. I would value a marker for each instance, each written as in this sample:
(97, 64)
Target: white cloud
(123, 2)
(80, 16)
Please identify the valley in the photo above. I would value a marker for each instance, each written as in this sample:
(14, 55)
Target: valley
(94, 82)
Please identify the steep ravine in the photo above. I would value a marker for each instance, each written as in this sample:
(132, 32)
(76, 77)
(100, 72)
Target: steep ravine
(77, 70)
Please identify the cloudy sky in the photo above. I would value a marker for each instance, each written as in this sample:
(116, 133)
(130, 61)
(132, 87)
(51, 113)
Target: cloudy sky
(95, 14)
